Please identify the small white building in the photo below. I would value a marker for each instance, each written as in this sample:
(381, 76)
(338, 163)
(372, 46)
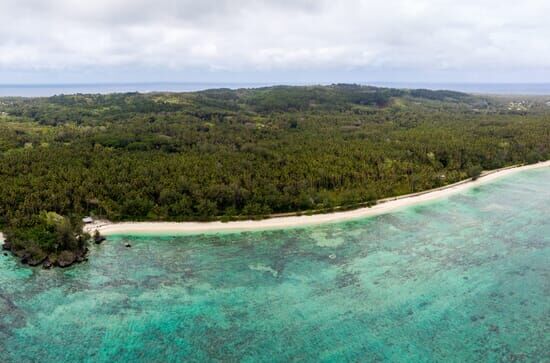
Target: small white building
(87, 220)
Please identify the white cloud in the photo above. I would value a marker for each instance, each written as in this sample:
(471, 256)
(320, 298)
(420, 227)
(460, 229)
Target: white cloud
(260, 35)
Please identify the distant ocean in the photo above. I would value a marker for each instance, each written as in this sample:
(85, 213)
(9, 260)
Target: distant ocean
(480, 88)
(45, 90)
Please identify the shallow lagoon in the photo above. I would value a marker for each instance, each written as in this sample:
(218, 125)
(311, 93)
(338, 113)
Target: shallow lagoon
(463, 279)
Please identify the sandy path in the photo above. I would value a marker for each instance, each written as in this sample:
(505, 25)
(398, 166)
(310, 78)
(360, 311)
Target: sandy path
(385, 206)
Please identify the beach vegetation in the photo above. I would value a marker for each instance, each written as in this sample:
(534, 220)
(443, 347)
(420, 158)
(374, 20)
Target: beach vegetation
(475, 171)
(234, 154)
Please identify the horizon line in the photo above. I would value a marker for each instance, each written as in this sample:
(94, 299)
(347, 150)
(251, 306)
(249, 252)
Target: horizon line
(282, 83)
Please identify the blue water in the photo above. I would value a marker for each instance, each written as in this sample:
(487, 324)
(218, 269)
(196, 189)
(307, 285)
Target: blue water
(463, 279)
(477, 88)
(44, 90)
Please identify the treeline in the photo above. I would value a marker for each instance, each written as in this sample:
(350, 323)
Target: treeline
(247, 153)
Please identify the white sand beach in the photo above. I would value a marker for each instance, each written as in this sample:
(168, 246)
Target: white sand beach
(384, 206)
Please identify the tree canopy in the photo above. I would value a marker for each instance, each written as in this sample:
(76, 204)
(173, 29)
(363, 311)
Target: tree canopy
(250, 152)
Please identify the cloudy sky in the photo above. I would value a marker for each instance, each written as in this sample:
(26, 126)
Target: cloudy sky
(45, 41)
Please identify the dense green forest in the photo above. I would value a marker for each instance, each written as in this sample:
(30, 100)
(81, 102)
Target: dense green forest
(226, 154)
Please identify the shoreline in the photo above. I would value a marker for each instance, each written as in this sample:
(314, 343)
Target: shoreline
(383, 206)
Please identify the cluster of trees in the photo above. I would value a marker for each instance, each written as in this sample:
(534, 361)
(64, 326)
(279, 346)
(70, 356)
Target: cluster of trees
(247, 153)
(47, 238)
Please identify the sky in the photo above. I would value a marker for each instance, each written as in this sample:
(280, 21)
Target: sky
(292, 41)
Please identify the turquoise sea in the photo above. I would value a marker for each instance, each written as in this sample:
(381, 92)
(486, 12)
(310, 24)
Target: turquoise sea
(463, 279)
(46, 90)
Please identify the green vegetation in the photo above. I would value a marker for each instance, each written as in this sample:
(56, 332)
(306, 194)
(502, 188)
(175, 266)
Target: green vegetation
(474, 172)
(48, 239)
(228, 154)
